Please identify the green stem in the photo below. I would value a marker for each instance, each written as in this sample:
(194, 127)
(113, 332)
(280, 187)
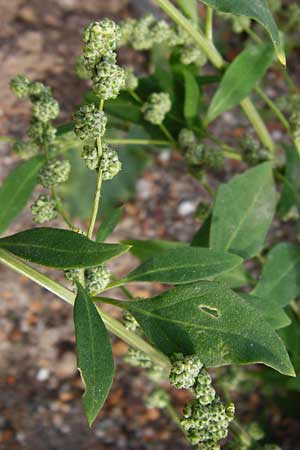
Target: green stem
(232, 155)
(257, 123)
(168, 135)
(135, 96)
(137, 142)
(65, 294)
(209, 23)
(217, 60)
(60, 209)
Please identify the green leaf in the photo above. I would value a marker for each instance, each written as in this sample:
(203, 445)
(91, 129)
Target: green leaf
(279, 282)
(190, 8)
(210, 320)
(58, 248)
(255, 9)
(243, 212)
(94, 354)
(240, 78)
(16, 190)
(201, 238)
(236, 278)
(291, 186)
(276, 316)
(109, 223)
(184, 265)
(146, 249)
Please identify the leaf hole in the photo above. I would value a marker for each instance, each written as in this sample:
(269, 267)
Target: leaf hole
(213, 312)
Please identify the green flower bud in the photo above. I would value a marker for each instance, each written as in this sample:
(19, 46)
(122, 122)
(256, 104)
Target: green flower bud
(256, 431)
(131, 80)
(38, 90)
(156, 108)
(136, 358)
(45, 109)
(25, 149)
(162, 32)
(127, 28)
(96, 279)
(72, 275)
(213, 158)
(100, 38)
(252, 152)
(193, 55)
(158, 399)
(43, 209)
(142, 36)
(20, 86)
(110, 165)
(90, 156)
(108, 80)
(55, 172)
(89, 122)
(186, 138)
(195, 154)
(41, 133)
(184, 370)
(129, 322)
(230, 411)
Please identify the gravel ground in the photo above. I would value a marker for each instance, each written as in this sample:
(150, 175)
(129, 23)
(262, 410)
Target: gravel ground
(40, 400)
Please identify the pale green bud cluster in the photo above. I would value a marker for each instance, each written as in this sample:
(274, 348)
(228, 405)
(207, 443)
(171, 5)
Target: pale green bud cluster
(252, 152)
(158, 399)
(129, 322)
(136, 358)
(189, 54)
(90, 123)
(72, 275)
(20, 86)
(184, 370)
(100, 38)
(196, 154)
(205, 419)
(43, 209)
(55, 172)
(109, 79)
(255, 431)
(131, 80)
(25, 149)
(96, 279)
(156, 108)
(110, 165)
(186, 138)
(90, 156)
(44, 109)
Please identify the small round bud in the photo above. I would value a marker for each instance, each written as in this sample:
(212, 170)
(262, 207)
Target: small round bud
(45, 109)
(20, 86)
(142, 37)
(90, 156)
(193, 55)
(96, 279)
(25, 149)
(136, 358)
(156, 108)
(38, 90)
(162, 32)
(89, 122)
(108, 80)
(230, 411)
(41, 133)
(256, 431)
(194, 154)
(55, 172)
(72, 274)
(129, 322)
(252, 152)
(158, 399)
(131, 80)
(43, 209)
(186, 138)
(213, 158)
(100, 38)
(110, 165)
(184, 370)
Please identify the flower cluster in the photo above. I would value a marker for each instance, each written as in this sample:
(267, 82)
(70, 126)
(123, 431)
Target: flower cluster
(96, 279)
(99, 62)
(205, 419)
(158, 399)
(55, 172)
(129, 322)
(43, 209)
(145, 33)
(252, 152)
(198, 155)
(156, 107)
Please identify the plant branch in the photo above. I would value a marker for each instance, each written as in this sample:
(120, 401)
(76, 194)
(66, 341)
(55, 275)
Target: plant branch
(209, 23)
(68, 296)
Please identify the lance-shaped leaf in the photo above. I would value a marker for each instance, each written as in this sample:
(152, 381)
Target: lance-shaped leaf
(243, 212)
(109, 223)
(210, 320)
(279, 282)
(240, 79)
(255, 9)
(59, 248)
(16, 190)
(184, 265)
(94, 354)
(144, 249)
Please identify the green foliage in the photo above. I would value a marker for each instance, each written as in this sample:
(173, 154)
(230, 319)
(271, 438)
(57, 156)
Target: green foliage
(94, 354)
(59, 248)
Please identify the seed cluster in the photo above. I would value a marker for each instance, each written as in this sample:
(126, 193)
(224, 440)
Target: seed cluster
(205, 419)
(43, 209)
(252, 151)
(96, 279)
(54, 173)
(156, 107)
